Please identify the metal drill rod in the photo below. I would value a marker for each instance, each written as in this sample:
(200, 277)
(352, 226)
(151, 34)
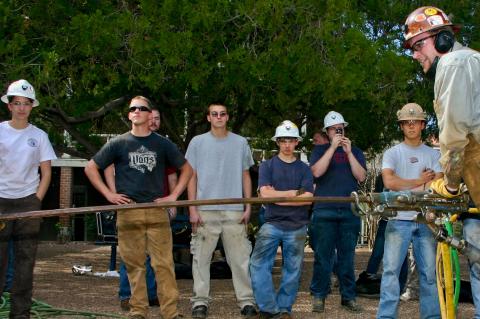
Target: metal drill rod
(178, 203)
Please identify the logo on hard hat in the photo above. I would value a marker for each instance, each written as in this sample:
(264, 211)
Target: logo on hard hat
(24, 87)
(430, 11)
(435, 20)
(421, 17)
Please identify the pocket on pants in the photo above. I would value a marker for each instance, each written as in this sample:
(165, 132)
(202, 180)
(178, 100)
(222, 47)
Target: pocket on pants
(194, 243)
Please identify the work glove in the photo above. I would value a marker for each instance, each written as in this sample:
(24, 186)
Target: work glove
(453, 163)
(438, 187)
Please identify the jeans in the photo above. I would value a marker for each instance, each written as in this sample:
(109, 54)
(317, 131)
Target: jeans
(378, 247)
(398, 235)
(334, 262)
(24, 233)
(237, 251)
(412, 282)
(124, 285)
(261, 263)
(334, 228)
(377, 255)
(141, 232)
(471, 233)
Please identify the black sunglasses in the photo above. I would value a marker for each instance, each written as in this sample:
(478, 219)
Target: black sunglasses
(141, 108)
(218, 114)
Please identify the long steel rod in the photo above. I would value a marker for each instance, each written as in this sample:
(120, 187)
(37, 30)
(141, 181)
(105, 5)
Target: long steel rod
(179, 203)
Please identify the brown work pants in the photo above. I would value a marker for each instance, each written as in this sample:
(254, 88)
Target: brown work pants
(142, 231)
(24, 233)
(471, 169)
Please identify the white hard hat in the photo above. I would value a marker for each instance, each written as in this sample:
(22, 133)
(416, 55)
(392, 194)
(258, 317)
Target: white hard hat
(21, 88)
(287, 129)
(333, 118)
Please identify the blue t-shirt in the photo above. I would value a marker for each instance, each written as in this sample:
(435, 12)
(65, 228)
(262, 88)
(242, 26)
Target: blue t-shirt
(286, 176)
(338, 180)
(140, 164)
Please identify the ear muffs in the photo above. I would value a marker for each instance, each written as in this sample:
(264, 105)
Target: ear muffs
(444, 41)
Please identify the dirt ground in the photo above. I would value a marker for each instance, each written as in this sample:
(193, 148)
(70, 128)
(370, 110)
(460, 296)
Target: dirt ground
(56, 285)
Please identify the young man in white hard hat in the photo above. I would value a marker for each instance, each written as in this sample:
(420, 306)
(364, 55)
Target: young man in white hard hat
(140, 158)
(456, 70)
(24, 149)
(338, 167)
(221, 162)
(281, 176)
(410, 165)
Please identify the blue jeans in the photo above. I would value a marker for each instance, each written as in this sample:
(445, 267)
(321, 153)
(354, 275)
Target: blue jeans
(377, 255)
(398, 235)
(378, 247)
(261, 263)
(124, 285)
(471, 233)
(331, 229)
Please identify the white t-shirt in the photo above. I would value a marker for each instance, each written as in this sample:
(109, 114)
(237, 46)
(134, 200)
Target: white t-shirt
(409, 162)
(21, 152)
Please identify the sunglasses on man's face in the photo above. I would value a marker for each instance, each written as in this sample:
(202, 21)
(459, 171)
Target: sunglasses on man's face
(411, 122)
(141, 108)
(218, 114)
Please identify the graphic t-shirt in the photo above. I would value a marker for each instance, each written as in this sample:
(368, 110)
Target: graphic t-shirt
(140, 164)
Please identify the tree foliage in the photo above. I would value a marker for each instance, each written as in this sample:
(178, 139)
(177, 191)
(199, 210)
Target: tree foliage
(267, 60)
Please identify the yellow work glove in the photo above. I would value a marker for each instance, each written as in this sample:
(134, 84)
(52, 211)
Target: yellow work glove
(438, 186)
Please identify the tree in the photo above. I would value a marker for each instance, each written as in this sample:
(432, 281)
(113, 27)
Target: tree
(267, 60)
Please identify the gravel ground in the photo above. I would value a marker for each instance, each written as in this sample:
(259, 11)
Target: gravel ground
(56, 285)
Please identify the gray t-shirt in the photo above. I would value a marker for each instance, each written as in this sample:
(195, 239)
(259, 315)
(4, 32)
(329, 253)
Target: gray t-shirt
(409, 162)
(219, 164)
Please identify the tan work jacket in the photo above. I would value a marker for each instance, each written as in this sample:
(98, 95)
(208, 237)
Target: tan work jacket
(457, 105)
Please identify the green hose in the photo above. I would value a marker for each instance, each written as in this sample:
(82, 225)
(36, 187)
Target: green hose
(456, 265)
(41, 310)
